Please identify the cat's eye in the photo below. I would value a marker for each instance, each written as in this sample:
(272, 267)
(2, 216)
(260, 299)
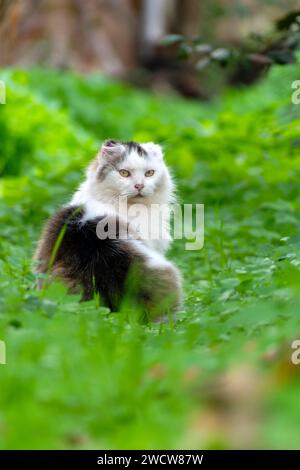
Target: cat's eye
(149, 173)
(124, 173)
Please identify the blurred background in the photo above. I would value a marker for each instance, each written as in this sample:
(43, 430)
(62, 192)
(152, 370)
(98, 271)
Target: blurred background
(124, 39)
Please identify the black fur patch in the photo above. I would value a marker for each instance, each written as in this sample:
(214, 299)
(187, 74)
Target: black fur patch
(135, 147)
(82, 260)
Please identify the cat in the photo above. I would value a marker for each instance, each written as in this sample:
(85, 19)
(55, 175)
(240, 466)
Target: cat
(114, 266)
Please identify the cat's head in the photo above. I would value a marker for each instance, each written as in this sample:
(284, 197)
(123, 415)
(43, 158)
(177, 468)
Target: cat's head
(131, 169)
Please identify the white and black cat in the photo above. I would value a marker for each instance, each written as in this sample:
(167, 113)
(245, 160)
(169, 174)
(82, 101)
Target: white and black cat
(116, 267)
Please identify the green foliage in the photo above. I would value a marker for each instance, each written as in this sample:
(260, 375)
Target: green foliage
(279, 46)
(79, 377)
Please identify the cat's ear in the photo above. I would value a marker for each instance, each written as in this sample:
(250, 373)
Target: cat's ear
(154, 150)
(112, 149)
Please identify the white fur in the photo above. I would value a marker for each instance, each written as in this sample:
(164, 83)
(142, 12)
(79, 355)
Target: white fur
(154, 259)
(102, 197)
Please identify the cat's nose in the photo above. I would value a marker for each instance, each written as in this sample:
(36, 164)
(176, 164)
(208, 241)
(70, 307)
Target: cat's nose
(139, 187)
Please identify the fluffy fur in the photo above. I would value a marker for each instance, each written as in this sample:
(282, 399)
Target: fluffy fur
(135, 268)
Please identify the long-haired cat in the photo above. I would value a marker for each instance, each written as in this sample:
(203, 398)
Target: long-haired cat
(116, 267)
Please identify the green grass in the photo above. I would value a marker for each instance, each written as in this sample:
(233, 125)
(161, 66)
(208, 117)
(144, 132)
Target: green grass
(221, 375)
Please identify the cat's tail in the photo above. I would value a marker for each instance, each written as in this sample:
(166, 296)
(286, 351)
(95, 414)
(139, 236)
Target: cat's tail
(114, 267)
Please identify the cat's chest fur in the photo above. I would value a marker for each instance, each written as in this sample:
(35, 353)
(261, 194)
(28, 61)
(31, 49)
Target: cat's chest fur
(146, 218)
(152, 225)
